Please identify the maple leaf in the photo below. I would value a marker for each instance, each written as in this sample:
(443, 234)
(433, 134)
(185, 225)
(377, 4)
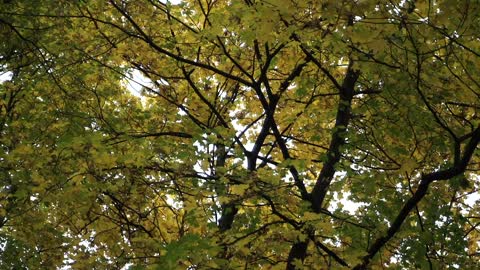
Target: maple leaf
(259, 134)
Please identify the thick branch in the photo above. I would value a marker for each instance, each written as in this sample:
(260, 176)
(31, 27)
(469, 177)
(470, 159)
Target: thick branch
(299, 249)
(333, 154)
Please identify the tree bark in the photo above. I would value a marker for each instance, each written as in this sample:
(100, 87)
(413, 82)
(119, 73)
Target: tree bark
(299, 249)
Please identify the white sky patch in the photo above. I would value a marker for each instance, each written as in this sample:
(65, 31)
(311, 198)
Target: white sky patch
(473, 198)
(127, 266)
(344, 203)
(135, 83)
(347, 205)
(6, 76)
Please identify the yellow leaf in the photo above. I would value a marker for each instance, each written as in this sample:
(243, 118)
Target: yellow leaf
(408, 166)
(311, 216)
(24, 149)
(239, 189)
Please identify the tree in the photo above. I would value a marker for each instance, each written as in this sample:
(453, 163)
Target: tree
(258, 120)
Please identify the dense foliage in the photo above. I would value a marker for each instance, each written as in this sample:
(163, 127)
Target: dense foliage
(279, 134)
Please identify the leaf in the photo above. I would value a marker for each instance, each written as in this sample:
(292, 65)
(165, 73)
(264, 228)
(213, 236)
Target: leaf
(217, 134)
(408, 166)
(239, 189)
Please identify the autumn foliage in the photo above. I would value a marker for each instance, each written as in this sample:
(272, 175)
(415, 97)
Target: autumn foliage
(215, 134)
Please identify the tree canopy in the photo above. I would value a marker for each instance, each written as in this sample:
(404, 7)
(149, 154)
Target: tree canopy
(279, 134)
